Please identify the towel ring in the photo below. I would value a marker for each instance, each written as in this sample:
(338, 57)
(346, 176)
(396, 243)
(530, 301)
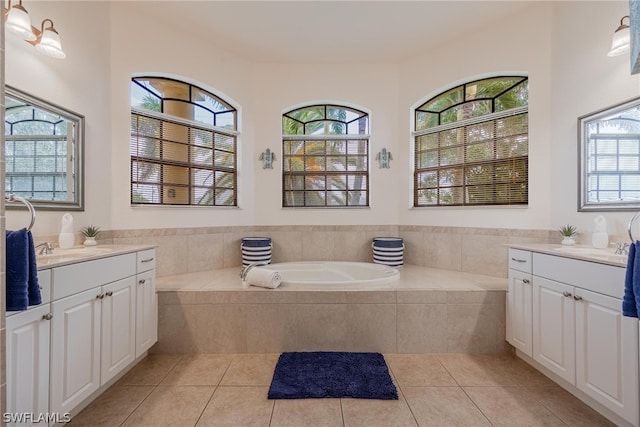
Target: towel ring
(635, 217)
(12, 198)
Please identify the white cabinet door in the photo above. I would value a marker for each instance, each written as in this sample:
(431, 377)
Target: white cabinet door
(75, 349)
(146, 312)
(27, 346)
(554, 327)
(520, 311)
(607, 353)
(118, 327)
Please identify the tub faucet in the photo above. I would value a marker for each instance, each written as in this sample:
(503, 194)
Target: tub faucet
(47, 248)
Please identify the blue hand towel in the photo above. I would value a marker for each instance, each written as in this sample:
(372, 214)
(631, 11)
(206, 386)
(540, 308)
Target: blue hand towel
(629, 300)
(17, 243)
(33, 286)
(635, 281)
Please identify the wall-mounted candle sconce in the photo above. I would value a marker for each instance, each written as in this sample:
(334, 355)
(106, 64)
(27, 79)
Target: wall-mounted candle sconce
(267, 158)
(384, 157)
(46, 39)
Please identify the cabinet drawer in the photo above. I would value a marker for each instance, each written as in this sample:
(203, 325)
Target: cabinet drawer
(520, 260)
(600, 278)
(71, 279)
(146, 260)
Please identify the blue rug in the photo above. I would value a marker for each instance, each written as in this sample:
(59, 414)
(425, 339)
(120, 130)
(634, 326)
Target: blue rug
(332, 374)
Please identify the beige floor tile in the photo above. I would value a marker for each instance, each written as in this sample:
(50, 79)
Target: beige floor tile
(307, 413)
(199, 369)
(151, 370)
(511, 407)
(171, 406)
(568, 408)
(443, 406)
(419, 370)
(371, 412)
(479, 370)
(251, 369)
(113, 406)
(238, 406)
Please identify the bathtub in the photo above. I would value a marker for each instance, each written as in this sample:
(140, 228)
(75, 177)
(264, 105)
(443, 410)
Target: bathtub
(330, 274)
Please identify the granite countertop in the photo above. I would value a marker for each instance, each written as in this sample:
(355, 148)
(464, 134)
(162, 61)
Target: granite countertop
(580, 252)
(77, 254)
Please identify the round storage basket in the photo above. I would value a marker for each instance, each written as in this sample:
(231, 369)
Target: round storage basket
(388, 251)
(256, 250)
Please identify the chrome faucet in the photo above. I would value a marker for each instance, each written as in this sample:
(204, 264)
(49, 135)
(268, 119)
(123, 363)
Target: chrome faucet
(47, 248)
(622, 249)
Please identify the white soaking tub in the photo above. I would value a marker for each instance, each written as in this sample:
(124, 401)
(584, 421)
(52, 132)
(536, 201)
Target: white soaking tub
(335, 274)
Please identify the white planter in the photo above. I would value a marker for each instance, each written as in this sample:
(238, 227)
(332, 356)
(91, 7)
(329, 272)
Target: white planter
(90, 241)
(568, 241)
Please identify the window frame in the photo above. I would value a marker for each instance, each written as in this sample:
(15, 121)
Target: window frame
(363, 159)
(462, 190)
(188, 166)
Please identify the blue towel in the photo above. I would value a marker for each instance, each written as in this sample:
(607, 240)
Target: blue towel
(33, 286)
(22, 288)
(629, 300)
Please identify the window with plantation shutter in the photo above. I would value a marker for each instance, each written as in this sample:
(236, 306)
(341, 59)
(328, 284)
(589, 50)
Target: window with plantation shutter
(471, 145)
(183, 145)
(325, 157)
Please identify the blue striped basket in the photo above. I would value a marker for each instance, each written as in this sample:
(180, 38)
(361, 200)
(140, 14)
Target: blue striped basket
(388, 251)
(256, 250)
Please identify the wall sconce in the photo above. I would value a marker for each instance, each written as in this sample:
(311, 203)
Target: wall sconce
(384, 157)
(267, 158)
(46, 39)
(621, 39)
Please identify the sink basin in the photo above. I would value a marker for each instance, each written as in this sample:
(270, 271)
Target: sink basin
(603, 254)
(75, 252)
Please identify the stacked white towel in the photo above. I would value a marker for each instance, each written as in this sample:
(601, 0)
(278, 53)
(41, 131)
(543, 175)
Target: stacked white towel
(263, 277)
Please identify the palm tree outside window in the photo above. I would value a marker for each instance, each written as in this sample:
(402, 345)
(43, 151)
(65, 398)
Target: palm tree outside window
(471, 145)
(183, 145)
(325, 157)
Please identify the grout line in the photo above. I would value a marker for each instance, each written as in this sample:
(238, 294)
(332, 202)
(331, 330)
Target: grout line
(204, 408)
(400, 391)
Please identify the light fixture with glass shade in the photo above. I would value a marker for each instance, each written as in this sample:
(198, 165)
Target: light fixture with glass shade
(17, 21)
(45, 40)
(621, 39)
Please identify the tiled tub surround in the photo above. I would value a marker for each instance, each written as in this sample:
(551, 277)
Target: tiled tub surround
(427, 311)
(465, 249)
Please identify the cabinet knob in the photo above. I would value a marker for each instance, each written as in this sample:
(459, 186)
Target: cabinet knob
(109, 293)
(100, 296)
(142, 281)
(577, 298)
(47, 316)
(526, 281)
(566, 294)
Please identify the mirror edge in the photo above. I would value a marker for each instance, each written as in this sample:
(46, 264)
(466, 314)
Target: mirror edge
(79, 153)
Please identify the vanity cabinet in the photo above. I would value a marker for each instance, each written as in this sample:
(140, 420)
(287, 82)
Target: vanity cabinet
(27, 355)
(102, 316)
(519, 300)
(577, 329)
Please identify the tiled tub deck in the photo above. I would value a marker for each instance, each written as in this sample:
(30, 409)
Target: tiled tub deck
(427, 311)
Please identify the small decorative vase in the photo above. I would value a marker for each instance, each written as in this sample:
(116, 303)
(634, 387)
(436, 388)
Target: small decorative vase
(90, 241)
(568, 241)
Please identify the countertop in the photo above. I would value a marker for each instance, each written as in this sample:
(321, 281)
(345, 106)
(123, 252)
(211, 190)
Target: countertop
(580, 252)
(77, 254)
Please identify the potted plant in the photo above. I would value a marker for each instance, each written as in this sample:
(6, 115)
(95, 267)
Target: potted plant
(568, 232)
(90, 232)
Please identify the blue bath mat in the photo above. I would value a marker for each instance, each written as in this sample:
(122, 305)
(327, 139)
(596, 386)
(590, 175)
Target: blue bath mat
(332, 374)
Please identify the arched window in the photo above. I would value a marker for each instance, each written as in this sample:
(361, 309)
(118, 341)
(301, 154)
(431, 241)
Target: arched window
(325, 157)
(471, 145)
(183, 145)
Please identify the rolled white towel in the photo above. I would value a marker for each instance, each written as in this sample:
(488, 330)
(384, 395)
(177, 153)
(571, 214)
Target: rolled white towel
(263, 277)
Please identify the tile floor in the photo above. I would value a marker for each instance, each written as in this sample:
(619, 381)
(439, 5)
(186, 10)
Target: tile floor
(434, 390)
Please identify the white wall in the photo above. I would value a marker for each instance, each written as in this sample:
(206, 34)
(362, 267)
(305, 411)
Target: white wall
(560, 45)
(79, 83)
